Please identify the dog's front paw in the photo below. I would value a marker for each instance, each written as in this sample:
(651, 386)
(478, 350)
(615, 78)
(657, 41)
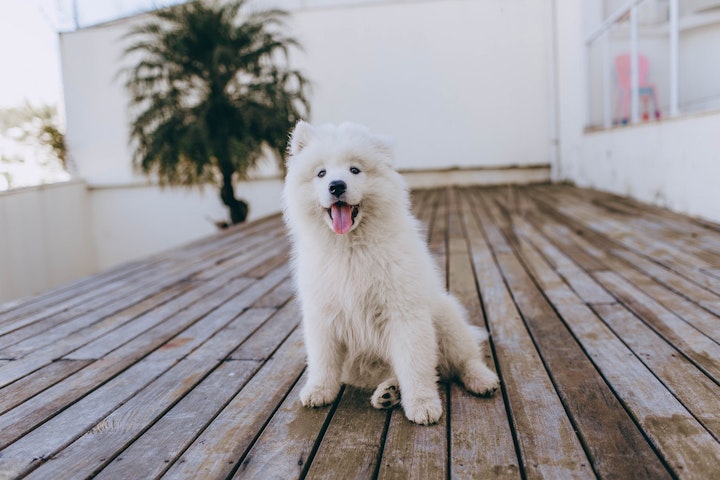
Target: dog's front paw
(423, 411)
(479, 379)
(318, 395)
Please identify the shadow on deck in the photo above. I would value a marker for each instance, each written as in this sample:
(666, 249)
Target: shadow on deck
(604, 317)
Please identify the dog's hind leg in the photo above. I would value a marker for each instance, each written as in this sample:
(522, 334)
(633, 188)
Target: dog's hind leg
(459, 348)
(386, 395)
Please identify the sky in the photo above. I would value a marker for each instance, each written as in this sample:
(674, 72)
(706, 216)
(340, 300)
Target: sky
(29, 52)
(29, 56)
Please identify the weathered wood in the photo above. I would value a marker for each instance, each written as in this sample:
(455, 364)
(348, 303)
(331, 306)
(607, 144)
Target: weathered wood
(545, 436)
(625, 235)
(22, 418)
(698, 393)
(219, 447)
(616, 447)
(286, 445)
(20, 455)
(604, 321)
(352, 445)
(30, 385)
(693, 343)
(115, 431)
(153, 452)
(481, 443)
(411, 451)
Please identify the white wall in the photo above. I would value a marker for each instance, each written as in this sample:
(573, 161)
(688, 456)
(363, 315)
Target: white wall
(44, 238)
(674, 163)
(134, 221)
(457, 83)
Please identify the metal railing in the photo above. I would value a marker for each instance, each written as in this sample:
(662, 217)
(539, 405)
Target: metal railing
(601, 34)
(653, 52)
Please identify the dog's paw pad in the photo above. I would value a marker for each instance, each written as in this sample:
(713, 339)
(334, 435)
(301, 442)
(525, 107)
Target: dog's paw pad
(318, 396)
(424, 412)
(386, 395)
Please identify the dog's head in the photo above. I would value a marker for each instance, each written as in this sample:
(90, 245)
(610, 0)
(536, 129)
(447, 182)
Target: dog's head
(338, 173)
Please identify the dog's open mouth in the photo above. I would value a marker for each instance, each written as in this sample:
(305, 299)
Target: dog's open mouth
(342, 216)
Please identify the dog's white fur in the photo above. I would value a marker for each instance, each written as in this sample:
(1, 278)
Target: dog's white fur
(375, 311)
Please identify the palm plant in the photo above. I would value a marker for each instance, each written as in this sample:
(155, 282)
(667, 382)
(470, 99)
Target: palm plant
(211, 94)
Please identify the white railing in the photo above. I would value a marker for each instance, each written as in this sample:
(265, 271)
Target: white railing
(602, 34)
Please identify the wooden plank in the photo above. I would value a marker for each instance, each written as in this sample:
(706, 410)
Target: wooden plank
(75, 304)
(698, 393)
(352, 444)
(613, 442)
(617, 363)
(677, 229)
(64, 428)
(254, 291)
(219, 447)
(109, 341)
(277, 328)
(286, 446)
(39, 358)
(30, 385)
(154, 451)
(412, 451)
(164, 275)
(704, 352)
(664, 253)
(474, 451)
(278, 296)
(691, 313)
(23, 308)
(548, 445)
(157, 448)
(262, 249)
(705, 298)
(99, 318)
(409, 450)
(22, 418)
(651, 278)
(437, 233)
(117, 430)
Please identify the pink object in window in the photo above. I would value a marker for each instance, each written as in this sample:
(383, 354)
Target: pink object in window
(646, 90)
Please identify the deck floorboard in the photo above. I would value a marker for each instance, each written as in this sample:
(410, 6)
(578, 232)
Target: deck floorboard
(604, 322)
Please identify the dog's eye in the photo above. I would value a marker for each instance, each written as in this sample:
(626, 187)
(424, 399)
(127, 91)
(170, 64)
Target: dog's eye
(321, 173)
(354, 170)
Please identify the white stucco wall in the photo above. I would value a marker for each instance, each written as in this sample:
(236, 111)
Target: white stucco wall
(674, 163)
(134, 221)
(44, 238)
(456, 83)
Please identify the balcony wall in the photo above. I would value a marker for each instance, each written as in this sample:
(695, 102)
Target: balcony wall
(45, 238)
(673, 163)
(452, 81)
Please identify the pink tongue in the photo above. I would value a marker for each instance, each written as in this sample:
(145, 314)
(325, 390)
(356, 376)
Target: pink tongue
(341, 217)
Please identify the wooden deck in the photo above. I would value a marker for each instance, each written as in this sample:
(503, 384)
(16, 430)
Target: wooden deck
(604, 317)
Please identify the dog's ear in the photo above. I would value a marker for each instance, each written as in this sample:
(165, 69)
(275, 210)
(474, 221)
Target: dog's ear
(299, 137)
(385, 146)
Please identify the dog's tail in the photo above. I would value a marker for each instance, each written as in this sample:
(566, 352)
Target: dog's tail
(479, 334)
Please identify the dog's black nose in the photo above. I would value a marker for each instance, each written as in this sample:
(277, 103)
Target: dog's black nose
(337, 187)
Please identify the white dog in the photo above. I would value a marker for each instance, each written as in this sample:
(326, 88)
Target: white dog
(375, 312)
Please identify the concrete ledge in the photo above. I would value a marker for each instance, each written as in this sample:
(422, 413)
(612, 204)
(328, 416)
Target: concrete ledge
(477, 176)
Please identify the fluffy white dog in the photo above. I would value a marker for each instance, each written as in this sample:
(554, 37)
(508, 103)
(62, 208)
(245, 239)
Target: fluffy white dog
(375, 312)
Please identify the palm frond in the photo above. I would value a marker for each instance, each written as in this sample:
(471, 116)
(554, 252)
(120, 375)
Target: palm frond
(211, 90)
